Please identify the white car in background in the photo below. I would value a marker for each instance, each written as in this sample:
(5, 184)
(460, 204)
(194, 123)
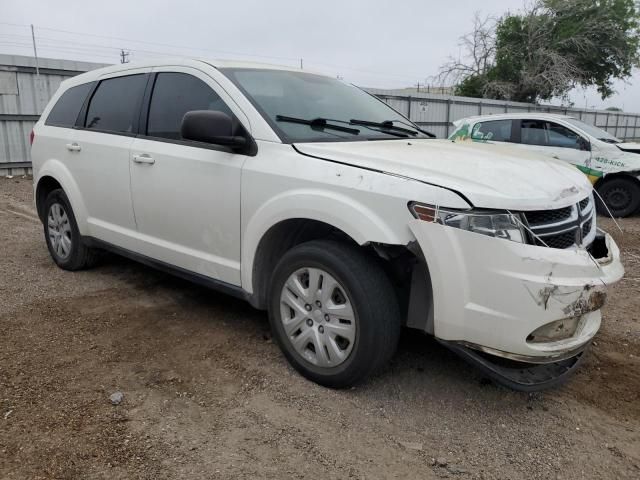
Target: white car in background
(317, 202)
(612, 166)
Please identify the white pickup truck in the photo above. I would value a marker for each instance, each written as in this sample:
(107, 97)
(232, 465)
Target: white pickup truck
(315, 201)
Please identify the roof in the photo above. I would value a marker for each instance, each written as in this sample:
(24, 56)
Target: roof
(178, 61)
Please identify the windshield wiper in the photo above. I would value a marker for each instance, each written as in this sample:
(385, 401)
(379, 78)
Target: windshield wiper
(389, 125)
(317, 123)
(426, 132)
(386, 125)
(609, 140)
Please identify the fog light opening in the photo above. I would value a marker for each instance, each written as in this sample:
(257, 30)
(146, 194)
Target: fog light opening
(555, 331)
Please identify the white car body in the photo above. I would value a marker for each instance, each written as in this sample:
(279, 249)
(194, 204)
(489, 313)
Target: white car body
(206, 212)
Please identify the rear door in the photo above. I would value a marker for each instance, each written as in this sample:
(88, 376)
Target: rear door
(186, 195)
(107, 127)
(56, 137)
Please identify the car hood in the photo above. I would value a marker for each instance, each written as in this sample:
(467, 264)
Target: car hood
(489, 176)
(629, 146)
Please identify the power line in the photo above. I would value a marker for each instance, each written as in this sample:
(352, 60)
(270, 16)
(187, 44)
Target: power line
(133, 49)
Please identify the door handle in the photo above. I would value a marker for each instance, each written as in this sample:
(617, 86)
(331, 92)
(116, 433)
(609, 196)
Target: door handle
(73, 147)
(144, 158)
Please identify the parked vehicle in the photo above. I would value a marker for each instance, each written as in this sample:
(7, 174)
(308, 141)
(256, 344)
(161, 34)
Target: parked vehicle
(317, 202)
(612, 166)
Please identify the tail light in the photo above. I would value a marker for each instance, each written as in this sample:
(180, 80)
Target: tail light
(32, 136)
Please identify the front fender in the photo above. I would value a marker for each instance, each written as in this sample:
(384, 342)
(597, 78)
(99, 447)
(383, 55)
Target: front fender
(354, 218)
(58, 171)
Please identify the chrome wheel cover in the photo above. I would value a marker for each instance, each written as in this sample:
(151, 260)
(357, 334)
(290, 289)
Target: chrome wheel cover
(59, 231)
(318, 318)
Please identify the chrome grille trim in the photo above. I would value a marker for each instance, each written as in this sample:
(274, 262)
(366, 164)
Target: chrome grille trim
(580, 219)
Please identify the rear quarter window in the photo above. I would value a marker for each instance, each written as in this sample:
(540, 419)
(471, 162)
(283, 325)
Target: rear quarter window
(65, 112)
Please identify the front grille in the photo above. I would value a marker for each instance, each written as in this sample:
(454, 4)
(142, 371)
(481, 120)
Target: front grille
(562, 227)
(561, 240)
(541, 217)
(584, 203)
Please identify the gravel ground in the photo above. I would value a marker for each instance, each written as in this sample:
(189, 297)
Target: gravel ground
(206, 394)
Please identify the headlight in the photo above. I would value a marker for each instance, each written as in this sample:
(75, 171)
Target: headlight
(493, 224)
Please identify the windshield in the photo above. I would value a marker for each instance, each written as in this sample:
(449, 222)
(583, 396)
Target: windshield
(593, 131)
(304, 107)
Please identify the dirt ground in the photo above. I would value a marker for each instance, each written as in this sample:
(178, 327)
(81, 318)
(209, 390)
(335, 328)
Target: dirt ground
(207, 394)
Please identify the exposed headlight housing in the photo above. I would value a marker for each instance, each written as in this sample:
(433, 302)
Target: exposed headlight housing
(503, 225)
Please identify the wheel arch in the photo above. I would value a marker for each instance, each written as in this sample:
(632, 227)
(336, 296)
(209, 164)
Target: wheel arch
(295, 215)
(54, 174)
(276, 241)
(610, 176)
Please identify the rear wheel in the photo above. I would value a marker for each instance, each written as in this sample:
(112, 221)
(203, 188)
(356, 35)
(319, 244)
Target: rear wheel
(621, 195)
(62, 235)
(333, 312)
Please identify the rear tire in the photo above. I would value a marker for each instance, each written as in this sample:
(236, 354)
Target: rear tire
(334, 312)
(621, 195)
(62, 235)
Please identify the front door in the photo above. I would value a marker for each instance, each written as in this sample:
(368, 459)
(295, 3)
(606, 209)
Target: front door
(186, 195)
(555, 140)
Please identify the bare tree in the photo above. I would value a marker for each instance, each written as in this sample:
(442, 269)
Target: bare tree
(477, 53)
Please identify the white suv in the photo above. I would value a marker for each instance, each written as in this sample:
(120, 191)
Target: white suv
(319, 203)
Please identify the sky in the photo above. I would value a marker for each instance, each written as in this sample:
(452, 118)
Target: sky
(371, 43)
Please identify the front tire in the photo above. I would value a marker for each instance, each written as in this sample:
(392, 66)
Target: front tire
(621, 195)
(62, 235)
(334, 313)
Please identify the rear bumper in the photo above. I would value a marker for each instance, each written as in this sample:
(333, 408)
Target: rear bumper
(490, 295)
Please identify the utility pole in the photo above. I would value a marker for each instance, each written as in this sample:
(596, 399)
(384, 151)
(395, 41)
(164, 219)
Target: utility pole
(418, 85)
(124, 56)
(301, 67)
(35, 51)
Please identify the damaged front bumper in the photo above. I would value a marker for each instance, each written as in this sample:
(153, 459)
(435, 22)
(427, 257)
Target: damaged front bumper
(499, 302)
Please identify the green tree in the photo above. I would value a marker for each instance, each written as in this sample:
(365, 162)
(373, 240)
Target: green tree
(552, 47)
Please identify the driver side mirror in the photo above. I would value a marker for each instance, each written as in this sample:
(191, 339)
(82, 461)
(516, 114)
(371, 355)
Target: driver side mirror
(211, 126)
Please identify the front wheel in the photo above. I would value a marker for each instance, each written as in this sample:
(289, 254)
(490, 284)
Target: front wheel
(333, 312)
(621, 196)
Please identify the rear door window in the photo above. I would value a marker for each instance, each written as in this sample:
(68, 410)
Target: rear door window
(65, 112)
(494, 130)
(175, 94)
(533, 132)
(115, 104)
